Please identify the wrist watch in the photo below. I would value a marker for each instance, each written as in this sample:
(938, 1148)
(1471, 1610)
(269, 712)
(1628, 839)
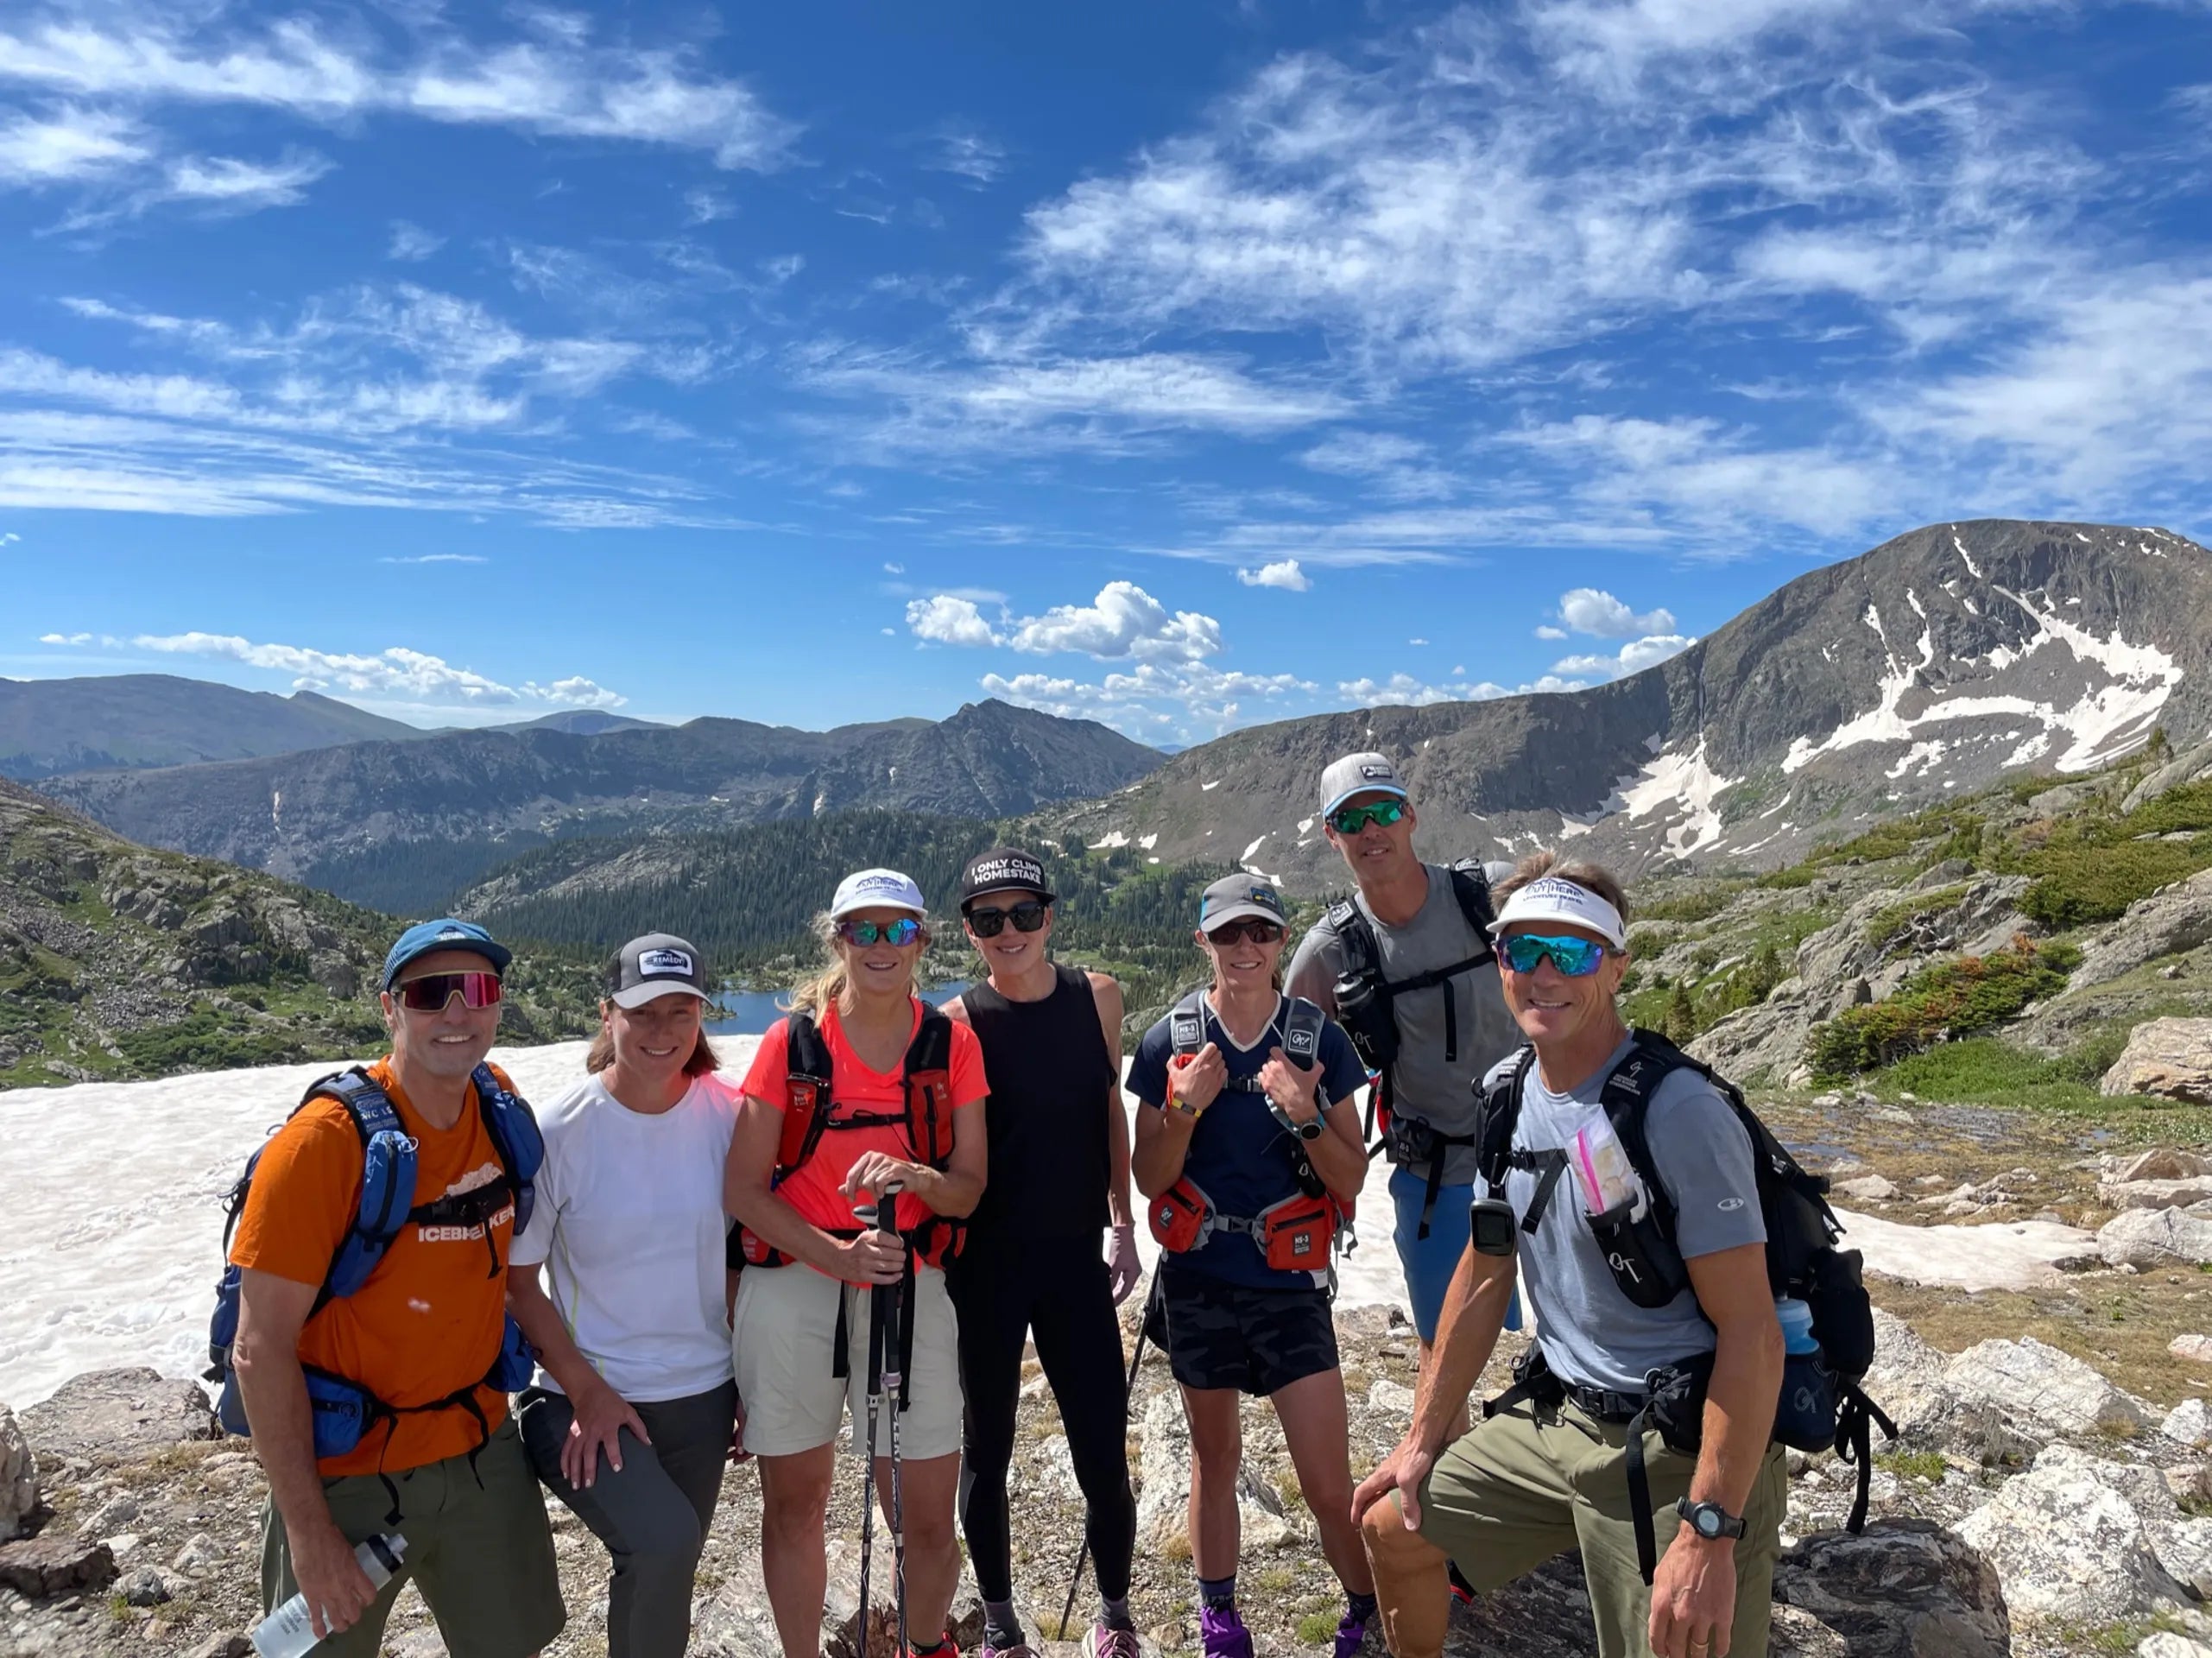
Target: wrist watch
(1310, 1130)
(1708, 1520)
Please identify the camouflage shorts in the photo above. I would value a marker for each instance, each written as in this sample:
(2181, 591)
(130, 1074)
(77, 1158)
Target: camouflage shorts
(1217, 1334)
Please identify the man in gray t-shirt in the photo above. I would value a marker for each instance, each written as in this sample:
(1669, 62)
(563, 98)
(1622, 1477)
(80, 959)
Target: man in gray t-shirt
(1450, 1022)
(1551, 1472)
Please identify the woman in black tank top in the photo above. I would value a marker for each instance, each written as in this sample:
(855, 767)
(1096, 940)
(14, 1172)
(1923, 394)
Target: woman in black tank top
(1032, 1265)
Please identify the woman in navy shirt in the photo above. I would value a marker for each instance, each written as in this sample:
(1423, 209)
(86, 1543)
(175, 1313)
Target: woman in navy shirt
(1248, 1136)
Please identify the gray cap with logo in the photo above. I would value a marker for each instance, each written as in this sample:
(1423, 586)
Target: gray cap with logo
(1359, 774)
(1234, 896)
(658, 965)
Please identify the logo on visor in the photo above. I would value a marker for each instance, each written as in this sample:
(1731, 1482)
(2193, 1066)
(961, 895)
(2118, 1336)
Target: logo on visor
(664, 961)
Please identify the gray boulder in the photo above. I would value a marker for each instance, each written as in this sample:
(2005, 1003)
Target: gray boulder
(2155, 1237)
(2078, 1537)
(2174, 919)
(2172, 1058)
(2184, 768)
(2155, 1194)
(1903, 1589)
(1761, 1045)
(40, 1568)
(120, 1416)
(18, 1477)
(1908, 1378)
(2038, 1388)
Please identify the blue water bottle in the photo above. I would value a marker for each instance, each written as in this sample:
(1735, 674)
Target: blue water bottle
(1797, 1325)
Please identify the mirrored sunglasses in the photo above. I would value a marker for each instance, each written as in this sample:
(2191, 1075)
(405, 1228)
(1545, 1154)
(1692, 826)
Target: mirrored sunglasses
(430, 993)
(1350, 819)
(904, 931)
(1577, 957)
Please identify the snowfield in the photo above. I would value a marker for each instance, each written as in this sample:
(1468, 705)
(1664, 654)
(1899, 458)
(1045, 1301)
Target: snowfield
(113, 1240)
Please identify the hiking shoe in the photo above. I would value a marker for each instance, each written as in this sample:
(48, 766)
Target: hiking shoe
(945, 1649)
(1351, 1630)
(1103, 1640)
(1223, 1635)
(1021, 1649)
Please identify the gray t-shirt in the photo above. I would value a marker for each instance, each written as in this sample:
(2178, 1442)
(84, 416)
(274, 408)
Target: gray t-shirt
(1436, 1090)
(1590, 1332)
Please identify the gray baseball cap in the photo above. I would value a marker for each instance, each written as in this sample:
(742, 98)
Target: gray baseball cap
(1359, 774)
(1237, 895)
(658, 965)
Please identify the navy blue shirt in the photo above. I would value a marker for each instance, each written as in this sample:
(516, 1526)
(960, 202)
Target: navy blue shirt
(1240, 1155)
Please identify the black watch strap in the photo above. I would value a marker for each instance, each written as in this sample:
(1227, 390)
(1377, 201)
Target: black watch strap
(1710, 1520)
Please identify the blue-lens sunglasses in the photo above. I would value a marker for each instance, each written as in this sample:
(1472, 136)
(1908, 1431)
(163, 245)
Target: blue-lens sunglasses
(1577, 957)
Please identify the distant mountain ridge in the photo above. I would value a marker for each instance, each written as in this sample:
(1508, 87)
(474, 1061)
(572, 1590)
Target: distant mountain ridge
(1940, 660)
(472, 799)
(106, 721)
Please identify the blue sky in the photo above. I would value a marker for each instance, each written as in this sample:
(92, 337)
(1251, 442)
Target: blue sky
(1185, 364)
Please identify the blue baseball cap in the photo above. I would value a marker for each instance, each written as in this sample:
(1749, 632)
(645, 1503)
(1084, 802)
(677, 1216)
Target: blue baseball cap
(444, 934)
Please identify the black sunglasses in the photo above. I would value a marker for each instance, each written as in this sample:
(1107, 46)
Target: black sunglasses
(1237, 932)
(988, 921)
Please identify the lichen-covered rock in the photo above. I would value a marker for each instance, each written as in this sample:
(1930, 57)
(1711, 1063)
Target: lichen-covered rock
(2078, 1537)
(2172, 1058)
(1902, 1589)
(2040, 1387)
(2155, 1237)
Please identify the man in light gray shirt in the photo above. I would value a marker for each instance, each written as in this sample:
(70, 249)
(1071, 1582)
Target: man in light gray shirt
(1405, 966)
(1619, 1295)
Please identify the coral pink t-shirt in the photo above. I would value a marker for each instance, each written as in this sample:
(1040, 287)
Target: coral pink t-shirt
(815, 1189)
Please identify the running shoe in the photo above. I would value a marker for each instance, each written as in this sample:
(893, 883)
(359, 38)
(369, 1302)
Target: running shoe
(1351, 1630)
(1103, 1640)
(1020, 1649)
(1462, 1591)
(1222, 1634)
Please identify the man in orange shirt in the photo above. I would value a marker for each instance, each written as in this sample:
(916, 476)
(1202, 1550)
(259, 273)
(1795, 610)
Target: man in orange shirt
(439, 1462)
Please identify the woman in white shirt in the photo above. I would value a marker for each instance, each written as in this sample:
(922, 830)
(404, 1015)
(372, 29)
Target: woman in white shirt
(620, 1282)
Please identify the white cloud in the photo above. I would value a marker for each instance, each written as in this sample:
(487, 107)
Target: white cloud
(560, 84)
(1593, 610)
(894, 569)
(966, 153)
(946, 620)
(1405, 689)
(1188, 701)
(1632, 658)
(440, 558)
(411, 244)
(1417, 642)
(1392, 466)
(10, 539)
(1123, 621)
(65, 638)
(1284, 573)
(397, 671)
(69, 146)
(1547, 631)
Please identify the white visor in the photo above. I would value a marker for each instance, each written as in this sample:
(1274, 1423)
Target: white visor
(1551, 899)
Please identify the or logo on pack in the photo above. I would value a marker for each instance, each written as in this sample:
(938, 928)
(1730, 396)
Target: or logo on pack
(664, 961)
(1186, 1030)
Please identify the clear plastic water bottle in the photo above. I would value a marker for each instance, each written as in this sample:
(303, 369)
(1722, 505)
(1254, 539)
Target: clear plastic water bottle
(1797, 1325)
(287, 1632)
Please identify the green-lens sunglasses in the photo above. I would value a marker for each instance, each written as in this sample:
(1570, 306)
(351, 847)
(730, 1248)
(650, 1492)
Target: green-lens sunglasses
(1350, 819)
(1574, 957)
(904, 931)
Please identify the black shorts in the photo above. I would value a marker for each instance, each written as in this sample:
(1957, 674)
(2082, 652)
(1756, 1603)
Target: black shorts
(1217, 1334)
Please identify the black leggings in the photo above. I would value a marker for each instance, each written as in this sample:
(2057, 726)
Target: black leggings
(1058, 1289)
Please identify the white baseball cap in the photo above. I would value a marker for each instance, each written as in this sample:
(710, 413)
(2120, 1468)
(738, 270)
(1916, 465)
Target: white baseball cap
(876, 889)
(1552, 899)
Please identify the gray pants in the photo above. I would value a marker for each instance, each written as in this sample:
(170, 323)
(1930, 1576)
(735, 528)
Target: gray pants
(654, 1515)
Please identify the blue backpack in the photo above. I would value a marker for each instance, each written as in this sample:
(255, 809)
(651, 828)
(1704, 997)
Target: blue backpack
(344, 1410)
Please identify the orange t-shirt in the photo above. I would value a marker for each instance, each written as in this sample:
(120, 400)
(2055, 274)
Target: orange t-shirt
(428, 1321)
(815, 1189)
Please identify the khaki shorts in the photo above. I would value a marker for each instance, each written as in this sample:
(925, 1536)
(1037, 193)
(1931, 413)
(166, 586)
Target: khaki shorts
(783, 1338)
(480, 1553)
(1534, 1482)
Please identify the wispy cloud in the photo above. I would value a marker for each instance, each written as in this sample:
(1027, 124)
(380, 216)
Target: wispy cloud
(1405, 689)
(395, 672)
(1185, 700)
(411, 244)
(68, 146)
(966, 152)
(439, 558)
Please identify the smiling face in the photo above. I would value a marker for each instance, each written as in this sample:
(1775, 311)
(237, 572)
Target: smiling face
(881, 968)
(1010, 951)
(1239, 962)
(1375, 851)
(1553, 1011)
(653, 1042)
(452, 1042)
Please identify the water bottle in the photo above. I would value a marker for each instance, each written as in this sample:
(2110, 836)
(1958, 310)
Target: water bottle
(1797, 1325)
(287, 1632)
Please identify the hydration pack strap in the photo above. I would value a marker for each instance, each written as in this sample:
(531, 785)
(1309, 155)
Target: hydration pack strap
(1547, 1166)
(1639, 1495)
(1856, 1416)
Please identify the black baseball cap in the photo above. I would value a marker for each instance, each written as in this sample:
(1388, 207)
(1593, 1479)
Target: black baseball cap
(1003, 868)
(658, 965)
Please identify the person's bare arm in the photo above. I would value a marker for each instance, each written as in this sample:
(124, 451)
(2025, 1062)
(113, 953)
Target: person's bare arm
(954, 1190)
(1311, 975)
(1693, 1592)
(601, 1413)
(272, 1310)
(1163, 1133)
(1106, 993)
(748, 1193)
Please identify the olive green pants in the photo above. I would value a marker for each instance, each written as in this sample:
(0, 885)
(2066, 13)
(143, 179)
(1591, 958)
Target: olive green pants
(1534, 1482)
(478, 1548)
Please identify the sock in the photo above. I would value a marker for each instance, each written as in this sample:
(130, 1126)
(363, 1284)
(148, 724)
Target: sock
(1360, 1608)
(1113, 1612)
(1218, 1594)
(1000, 1628)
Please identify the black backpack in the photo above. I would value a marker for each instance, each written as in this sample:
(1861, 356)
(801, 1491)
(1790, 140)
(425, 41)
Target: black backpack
(1819, 1410)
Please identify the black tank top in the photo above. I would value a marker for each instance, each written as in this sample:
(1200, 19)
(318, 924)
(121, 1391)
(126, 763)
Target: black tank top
(1049, 1072)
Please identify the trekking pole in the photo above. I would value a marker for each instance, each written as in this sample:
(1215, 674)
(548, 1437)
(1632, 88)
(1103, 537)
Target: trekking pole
(887, 1315)
(1137, 1357)
(874, 1386)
